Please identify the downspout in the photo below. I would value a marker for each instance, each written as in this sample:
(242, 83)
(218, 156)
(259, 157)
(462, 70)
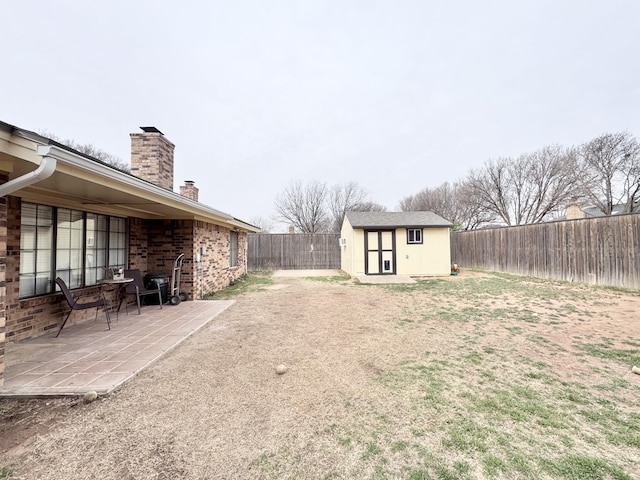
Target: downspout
(44, 171)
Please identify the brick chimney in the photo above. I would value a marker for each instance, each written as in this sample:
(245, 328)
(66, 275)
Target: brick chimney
(152, 157)
(574, 211)
(189, 190)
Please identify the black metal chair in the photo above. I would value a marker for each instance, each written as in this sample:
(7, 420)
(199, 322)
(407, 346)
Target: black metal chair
(76, 304)
(138, 289)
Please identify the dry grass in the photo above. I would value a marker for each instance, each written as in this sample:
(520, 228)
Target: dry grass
(470, 377)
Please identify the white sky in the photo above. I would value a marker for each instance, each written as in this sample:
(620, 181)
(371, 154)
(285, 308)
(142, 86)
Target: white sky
(396, 95)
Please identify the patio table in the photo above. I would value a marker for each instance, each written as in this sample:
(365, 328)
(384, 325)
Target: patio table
(117, 285)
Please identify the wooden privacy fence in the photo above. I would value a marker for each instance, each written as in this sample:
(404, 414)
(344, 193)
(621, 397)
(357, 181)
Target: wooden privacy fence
(602, 250)
(293, 251)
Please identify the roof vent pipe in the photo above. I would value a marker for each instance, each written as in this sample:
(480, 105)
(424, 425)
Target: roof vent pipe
(44, 171)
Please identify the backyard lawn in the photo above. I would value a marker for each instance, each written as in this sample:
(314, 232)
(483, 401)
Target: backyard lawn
(478, 376)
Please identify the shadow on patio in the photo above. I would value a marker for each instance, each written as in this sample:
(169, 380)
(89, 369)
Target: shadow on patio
(88, 357)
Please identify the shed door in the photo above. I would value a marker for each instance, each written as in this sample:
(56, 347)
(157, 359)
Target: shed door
(380, 252)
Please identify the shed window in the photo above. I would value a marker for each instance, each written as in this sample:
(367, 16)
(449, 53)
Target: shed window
(414, 235)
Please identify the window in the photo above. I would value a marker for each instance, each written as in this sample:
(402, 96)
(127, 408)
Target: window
(69, 235)
(414, 235)
(117, 242)
(36, 249)
(83, 243)
(96, 247)
(233, 249)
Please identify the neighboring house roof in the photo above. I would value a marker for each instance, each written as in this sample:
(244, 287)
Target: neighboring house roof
(617, 209)
(594, 212)
(396, 219)
(82, 181)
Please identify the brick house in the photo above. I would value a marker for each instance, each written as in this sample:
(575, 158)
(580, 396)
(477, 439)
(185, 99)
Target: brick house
(63, 213)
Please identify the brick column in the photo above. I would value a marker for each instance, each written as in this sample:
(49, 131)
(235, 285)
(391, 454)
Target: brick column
(3, 268)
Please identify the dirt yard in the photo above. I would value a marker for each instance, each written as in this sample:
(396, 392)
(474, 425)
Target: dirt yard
(469, 377)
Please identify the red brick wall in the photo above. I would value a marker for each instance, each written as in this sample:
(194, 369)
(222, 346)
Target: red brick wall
(213, 272)
(138, 244)
(167, 240)
(3, 266)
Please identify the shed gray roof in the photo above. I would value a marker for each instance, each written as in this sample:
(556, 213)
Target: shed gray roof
(396, 219)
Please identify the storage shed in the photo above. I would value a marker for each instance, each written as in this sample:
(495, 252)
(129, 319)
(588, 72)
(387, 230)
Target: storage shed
(395, 243)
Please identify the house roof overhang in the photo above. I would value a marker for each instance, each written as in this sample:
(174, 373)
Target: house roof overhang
(85, 183)
(82, 182)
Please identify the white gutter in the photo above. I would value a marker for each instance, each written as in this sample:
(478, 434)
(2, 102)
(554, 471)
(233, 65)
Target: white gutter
(44, 171)
(52, 154)
(77, 161)
(65, 157)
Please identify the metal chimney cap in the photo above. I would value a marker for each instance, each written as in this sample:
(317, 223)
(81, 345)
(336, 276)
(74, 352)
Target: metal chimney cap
(151, 130)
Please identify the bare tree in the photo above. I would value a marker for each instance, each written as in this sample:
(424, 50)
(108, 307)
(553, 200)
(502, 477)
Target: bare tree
(610, 171)
(316, 208)
(266, 225)
(344, 198)
(349, 197)
(527, 189)
(453, 202)
(488, 187)
(538, 186)
(90, 150)
(469, 213)
(550, 182)
(369, 206)
(440, 200)
(632, 204)
(303, 206)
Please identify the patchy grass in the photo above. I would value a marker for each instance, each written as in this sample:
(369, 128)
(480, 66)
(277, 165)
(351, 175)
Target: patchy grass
(606, 350)
(479, 410)
(523, 426)
(249, 283)
(484, 377)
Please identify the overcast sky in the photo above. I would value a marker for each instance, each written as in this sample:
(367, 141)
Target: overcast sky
(396, 95)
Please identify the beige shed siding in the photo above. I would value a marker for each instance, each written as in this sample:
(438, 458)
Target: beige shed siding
(431, 257)
(346, 255)
(352, 257)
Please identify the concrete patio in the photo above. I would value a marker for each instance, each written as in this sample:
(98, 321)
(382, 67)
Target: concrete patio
(89, 357)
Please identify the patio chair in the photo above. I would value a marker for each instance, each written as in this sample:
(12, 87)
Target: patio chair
(76, 304)
(138, 289)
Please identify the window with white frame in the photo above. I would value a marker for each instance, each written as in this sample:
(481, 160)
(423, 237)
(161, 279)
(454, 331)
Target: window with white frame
(233, 249)
(414, 235)
(84, 243)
